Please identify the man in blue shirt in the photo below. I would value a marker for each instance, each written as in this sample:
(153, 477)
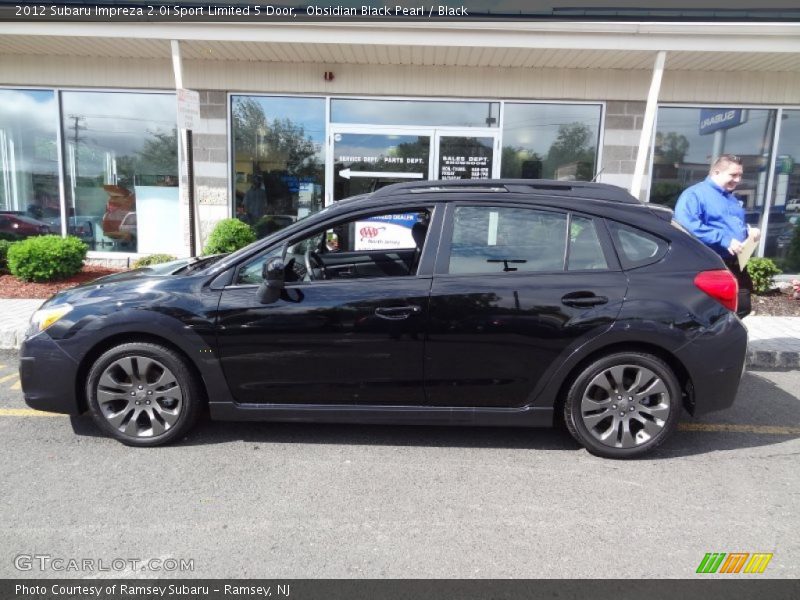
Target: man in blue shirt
(710, 211)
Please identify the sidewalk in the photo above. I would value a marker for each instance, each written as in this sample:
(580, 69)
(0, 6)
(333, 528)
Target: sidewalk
(774, 341)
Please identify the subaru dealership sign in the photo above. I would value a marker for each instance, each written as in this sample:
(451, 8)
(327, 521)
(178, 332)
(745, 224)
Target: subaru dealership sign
(714, 119)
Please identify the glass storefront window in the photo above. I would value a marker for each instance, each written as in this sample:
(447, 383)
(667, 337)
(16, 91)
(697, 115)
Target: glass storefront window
(415, 112)
(28, 163)
(550, 141)
(366, 162)
(687, 139)
(278, 159)
(783, 231)
(121, 164)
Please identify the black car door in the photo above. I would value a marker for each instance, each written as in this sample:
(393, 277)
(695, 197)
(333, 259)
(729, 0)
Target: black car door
(514, 287)
(349, 330)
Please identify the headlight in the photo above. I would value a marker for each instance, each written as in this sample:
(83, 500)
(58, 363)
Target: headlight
(44, 317)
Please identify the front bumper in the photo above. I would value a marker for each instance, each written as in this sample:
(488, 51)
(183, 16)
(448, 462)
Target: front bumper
(715, 360)
(48, 376)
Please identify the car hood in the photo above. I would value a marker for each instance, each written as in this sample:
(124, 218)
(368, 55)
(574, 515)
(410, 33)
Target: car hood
(137, 286)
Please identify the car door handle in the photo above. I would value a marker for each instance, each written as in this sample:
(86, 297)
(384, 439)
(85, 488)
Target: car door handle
(397, 313)
(583, 299)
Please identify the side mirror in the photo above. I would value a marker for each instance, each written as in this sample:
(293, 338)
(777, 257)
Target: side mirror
(271, 287)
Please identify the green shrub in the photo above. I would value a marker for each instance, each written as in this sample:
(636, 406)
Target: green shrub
(793, 255)
(762, 272)
(46, 258)
(4, 246)
(229, 235)
(153, 259)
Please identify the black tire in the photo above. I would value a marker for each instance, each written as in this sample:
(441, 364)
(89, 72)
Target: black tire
(143, 394)
(623, 405)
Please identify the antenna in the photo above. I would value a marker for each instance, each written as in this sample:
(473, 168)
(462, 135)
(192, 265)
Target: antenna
(594, 179)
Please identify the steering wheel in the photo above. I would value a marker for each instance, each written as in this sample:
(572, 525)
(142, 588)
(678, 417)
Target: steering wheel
(314, 265)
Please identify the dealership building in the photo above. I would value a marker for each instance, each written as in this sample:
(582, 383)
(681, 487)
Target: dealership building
(297, 115)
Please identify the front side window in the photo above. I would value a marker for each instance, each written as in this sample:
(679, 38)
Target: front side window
(367, 246)
(490, 239)
(121, 164)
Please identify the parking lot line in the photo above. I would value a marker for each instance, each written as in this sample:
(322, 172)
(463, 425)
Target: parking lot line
(736, 428)
(27, 412)
(7, 377)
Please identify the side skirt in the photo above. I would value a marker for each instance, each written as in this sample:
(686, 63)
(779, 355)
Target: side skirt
(396, 415)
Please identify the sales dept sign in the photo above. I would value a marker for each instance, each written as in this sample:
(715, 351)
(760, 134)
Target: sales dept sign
(716, 119)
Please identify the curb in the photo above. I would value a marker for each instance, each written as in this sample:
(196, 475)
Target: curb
(772, 360)
(11, 339)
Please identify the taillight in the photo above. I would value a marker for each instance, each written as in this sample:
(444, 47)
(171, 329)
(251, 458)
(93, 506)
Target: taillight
(720, 285)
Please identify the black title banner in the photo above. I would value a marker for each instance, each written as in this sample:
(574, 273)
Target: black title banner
(338, 589)
(289, 11)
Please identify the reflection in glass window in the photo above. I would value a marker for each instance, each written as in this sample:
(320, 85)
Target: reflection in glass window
(121, 163)
(550, 141)
(506, 240)
(279, 159)
(687, 139)
(360, 161)
(415, 112)
(783, 232)
(29, 163)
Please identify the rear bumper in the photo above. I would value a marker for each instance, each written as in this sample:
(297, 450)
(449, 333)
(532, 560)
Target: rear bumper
(47, 375)
(715, 361)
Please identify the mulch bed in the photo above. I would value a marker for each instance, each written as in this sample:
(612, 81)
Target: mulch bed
(774, 304)
(11, 287)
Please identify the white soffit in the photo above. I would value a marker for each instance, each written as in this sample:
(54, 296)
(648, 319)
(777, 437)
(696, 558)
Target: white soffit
(628, 46)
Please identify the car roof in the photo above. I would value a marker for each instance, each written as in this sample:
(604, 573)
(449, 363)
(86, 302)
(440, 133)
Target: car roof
(550, 187)
(583, 195)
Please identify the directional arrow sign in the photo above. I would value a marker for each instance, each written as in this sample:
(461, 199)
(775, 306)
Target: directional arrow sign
(347, 174)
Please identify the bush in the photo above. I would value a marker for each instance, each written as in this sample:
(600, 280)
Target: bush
(4, 246)
(229, 235)
(762, 272)
(153, 259)
(793, 255)
(46, 258)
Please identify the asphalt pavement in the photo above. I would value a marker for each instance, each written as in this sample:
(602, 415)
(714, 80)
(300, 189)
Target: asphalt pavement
(344, 501)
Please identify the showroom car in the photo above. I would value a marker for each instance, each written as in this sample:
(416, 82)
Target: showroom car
(510, 303)
(16, 226)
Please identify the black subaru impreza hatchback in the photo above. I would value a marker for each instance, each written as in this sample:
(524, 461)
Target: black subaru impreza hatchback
(499, 302)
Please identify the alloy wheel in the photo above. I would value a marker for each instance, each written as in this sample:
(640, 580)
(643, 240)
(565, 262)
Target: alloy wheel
(139, 396)
(625, 406)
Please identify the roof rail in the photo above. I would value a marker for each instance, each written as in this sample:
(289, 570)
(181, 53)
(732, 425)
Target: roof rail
(583, 189)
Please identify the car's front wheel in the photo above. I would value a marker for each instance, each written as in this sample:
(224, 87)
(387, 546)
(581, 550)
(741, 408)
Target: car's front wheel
(142, 394)
(623, 405)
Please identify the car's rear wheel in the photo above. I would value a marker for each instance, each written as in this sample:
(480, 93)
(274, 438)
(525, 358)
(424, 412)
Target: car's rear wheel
(623, 405)
(142, 394)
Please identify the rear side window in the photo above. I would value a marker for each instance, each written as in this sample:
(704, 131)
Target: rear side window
(492, 239)
(585, 251)
(635, 247)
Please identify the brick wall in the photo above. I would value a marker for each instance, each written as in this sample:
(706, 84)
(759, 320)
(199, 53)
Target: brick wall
(623, 126)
